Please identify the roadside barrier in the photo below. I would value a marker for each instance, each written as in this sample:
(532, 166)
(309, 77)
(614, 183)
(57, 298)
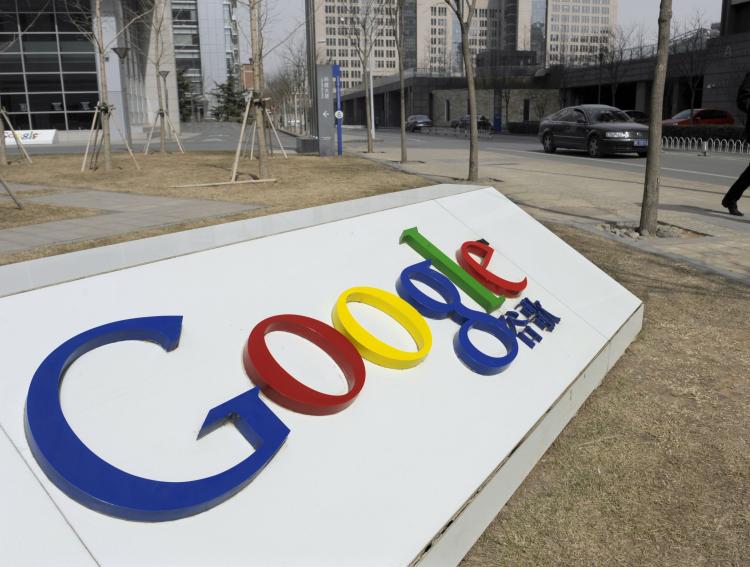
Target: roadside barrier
(711, 145)
(454, 132)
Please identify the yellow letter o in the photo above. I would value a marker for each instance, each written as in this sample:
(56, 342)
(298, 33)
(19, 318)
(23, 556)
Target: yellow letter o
(370, 347)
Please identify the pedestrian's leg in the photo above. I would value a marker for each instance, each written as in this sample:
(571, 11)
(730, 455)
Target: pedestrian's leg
(735, 192)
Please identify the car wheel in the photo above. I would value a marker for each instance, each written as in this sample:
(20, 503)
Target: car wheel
(595, 147)
(549, 144)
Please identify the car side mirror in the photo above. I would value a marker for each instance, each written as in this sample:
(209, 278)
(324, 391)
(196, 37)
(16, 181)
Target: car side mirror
(581, 121)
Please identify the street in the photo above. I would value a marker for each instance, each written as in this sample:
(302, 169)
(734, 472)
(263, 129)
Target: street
(717, 169)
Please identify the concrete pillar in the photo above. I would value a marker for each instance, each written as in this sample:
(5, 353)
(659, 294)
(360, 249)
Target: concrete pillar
(642, 96)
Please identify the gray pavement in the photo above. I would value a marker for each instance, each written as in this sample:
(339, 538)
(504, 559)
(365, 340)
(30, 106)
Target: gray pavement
(120, 213)
(572, 188)
(566, 187)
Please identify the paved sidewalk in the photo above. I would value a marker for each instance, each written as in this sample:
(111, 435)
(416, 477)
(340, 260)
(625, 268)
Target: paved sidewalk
(587, 196)
(120, 213)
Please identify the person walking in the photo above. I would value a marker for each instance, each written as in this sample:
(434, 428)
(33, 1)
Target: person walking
(743, 182)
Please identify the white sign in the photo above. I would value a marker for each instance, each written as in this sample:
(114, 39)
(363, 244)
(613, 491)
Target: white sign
(31, 137)
(413, 470)
(339, 114)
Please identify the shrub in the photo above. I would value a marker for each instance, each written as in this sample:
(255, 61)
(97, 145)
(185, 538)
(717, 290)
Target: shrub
(523, 127)
(705, 132)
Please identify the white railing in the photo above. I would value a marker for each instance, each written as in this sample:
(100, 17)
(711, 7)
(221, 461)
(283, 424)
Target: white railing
(710, 145)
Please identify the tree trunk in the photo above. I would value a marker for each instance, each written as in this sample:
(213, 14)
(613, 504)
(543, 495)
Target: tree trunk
(692, 102)
(402, 100)
(368, 111)
(160, 116)
(255, 34)
(3, 151)
(650, 206)
(104, 93)
(474, 131)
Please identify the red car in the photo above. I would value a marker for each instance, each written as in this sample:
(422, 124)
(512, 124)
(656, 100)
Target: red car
(701, 116)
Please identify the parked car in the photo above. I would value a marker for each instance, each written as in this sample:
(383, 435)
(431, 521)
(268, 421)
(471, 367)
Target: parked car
(483, 123)
(637, 116)
(596, 128)
(700, 117)
(417, 122)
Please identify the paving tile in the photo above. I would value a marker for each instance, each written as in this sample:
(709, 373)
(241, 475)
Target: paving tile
(121, 213)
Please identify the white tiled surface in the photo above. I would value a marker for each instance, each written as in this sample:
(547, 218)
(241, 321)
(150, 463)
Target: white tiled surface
(32, 530)
(369, 486)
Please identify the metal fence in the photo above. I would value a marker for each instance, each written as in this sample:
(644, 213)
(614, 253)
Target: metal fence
(701, 146)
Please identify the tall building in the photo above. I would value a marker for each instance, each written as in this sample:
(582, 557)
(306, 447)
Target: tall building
(735, 17)
(49, 70)
(579, 30)
(431, 39)
(211, 40)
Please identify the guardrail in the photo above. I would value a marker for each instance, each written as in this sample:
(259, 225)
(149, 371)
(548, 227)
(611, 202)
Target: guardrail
(711, 145)
(454, 132)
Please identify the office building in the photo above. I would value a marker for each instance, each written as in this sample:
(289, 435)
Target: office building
(579, 30)
(431, 39)
(49, 71)
(212, 41)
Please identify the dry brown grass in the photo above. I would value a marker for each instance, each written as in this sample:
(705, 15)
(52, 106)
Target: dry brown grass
(655, 468)
(32, 213)
(302, 181)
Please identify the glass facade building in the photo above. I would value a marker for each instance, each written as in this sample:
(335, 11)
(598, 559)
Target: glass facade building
(48, 73)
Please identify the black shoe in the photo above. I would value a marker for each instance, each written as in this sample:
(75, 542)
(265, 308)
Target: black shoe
(733, 210)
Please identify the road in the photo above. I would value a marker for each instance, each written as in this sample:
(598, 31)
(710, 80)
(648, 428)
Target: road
(716, 169)
(211, 136)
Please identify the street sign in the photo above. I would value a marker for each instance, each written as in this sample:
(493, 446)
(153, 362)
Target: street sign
(326, 96)
(339, 115)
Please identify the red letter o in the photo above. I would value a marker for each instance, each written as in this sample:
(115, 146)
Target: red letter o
(282, 387)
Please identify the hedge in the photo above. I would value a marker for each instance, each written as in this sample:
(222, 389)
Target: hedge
(523, 127)
(704, 132)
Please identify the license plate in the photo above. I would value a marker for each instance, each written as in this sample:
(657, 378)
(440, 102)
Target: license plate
(640, 143)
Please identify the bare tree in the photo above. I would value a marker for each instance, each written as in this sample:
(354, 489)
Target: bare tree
(93, 30)
(540, 102)
(257, 20)
(615, 50)
(650, 206)
(365, 25)
(295, 59)
(691, 52)
(464, 11)
(157, 51)
(395, 14)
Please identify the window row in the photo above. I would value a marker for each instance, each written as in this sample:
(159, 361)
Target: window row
(47, 63)
(42, 42)
(78, 82)
(49, 102)
(52, 121)
(35, 22)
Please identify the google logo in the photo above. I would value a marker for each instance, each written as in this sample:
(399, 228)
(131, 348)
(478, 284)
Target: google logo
(91, 481)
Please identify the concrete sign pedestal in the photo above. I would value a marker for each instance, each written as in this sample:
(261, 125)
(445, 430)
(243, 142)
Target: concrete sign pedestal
(412, 472)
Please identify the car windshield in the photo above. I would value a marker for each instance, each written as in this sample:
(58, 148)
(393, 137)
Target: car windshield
(609, 115)
(682, 115)
(421, 117)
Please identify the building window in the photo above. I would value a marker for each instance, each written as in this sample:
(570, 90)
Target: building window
(48, 77)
